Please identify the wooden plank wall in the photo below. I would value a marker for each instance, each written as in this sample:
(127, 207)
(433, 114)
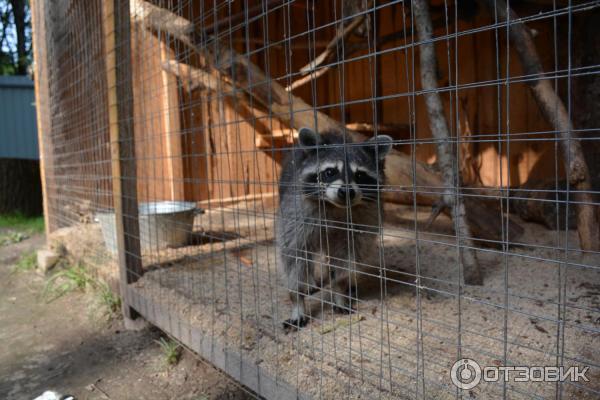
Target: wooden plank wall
(156, 120)
(72, 99)
(206, 148)
(42, 98)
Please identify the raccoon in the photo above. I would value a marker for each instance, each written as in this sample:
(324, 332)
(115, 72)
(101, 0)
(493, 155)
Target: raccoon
(329, 209)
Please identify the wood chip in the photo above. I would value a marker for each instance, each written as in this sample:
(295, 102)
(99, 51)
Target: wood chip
(341, 323)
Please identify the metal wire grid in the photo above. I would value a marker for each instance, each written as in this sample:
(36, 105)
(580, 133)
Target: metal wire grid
(417, 321)
(71, 96)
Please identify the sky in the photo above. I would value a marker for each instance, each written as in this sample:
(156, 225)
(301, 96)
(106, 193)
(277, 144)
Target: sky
(10, 45)
(11, 36)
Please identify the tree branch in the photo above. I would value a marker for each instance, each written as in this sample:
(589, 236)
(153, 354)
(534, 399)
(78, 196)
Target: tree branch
(554, 111)
(445, 154)
(248, 79)
(309, 70)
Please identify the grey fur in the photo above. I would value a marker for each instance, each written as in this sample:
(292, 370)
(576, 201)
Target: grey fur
(312, 225)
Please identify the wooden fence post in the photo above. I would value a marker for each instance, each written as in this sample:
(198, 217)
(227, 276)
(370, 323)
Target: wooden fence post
(117, 53)
(38, 15)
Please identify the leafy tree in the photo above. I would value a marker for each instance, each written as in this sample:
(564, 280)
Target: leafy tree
(15, 37)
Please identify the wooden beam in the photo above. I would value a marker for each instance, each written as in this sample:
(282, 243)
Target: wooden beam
(243, 369)
(230, 200)
(171, 128)
(38, 35)
(117, 47)
(390, 129)
(426, 185)
(148, 14)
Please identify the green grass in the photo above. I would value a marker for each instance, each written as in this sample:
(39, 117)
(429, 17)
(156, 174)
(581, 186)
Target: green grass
(171, 350)
(27, 262)
(19, 222)
(12, 237)
(108, 302)
(73, 278)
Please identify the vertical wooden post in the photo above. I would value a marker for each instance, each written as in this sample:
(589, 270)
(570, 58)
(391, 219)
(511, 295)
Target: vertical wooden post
(171, 127)
(117, 53)
(41, 101)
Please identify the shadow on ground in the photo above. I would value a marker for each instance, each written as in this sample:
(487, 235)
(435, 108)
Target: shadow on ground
(61, 346)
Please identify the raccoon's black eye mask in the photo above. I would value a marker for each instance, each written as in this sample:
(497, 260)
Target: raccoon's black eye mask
(329, 175)
(362, 178)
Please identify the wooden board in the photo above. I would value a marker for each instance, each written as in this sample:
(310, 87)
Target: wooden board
(157, 120)
(40, 55)
(122, 142)
(227, 153)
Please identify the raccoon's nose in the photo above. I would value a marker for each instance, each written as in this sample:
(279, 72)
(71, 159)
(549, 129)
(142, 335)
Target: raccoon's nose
(344, 193)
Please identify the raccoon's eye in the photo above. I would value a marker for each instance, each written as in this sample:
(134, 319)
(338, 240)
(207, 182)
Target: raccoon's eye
(329, 173)
(362, 178)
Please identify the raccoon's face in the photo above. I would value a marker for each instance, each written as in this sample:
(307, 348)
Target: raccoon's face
(343, 174)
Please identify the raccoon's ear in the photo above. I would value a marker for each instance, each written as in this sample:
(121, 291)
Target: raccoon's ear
(308, 138)
(379, 146)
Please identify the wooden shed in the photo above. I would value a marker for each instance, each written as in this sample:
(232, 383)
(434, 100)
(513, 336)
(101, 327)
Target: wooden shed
(486, 94)
(495, 165)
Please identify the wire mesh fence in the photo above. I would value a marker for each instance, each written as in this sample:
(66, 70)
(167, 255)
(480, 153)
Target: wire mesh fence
(350, 198)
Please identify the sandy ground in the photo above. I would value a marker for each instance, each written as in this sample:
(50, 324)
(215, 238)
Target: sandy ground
(533, 308)
(60, 346)
(236, 298)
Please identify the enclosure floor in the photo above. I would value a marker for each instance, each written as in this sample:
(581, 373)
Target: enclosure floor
(406, 334)
(235, 296)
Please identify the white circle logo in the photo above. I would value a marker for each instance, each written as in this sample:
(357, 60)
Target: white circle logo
(465, 374)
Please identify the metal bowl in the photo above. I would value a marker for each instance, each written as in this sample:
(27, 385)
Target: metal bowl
(162, 224)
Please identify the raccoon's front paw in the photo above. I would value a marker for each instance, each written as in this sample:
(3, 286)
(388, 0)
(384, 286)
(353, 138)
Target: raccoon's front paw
(293, 324)
(344, 306)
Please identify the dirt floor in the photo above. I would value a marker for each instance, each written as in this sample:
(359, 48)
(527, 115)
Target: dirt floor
(222, 293)
(61, 346)
(232, 295)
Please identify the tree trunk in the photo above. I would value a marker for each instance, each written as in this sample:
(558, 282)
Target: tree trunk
(21, 187)
(18, 7)
(295, 112)
(586, 92)
(543, 202)
(553, 109)
(445, 155)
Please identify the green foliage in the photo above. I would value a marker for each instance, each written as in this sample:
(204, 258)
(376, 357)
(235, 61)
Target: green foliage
(19, 222)
(105, 304)
(27, 262)
(171, 350)
(109, 303)
(12, 237)
(15, 37)
(73, 278)
(6, 65)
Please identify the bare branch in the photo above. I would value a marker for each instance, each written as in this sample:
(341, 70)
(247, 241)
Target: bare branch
(555, 112)
(295, 113)
(305, 79)
(342, 34)
(332, 46)
(439, 130)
